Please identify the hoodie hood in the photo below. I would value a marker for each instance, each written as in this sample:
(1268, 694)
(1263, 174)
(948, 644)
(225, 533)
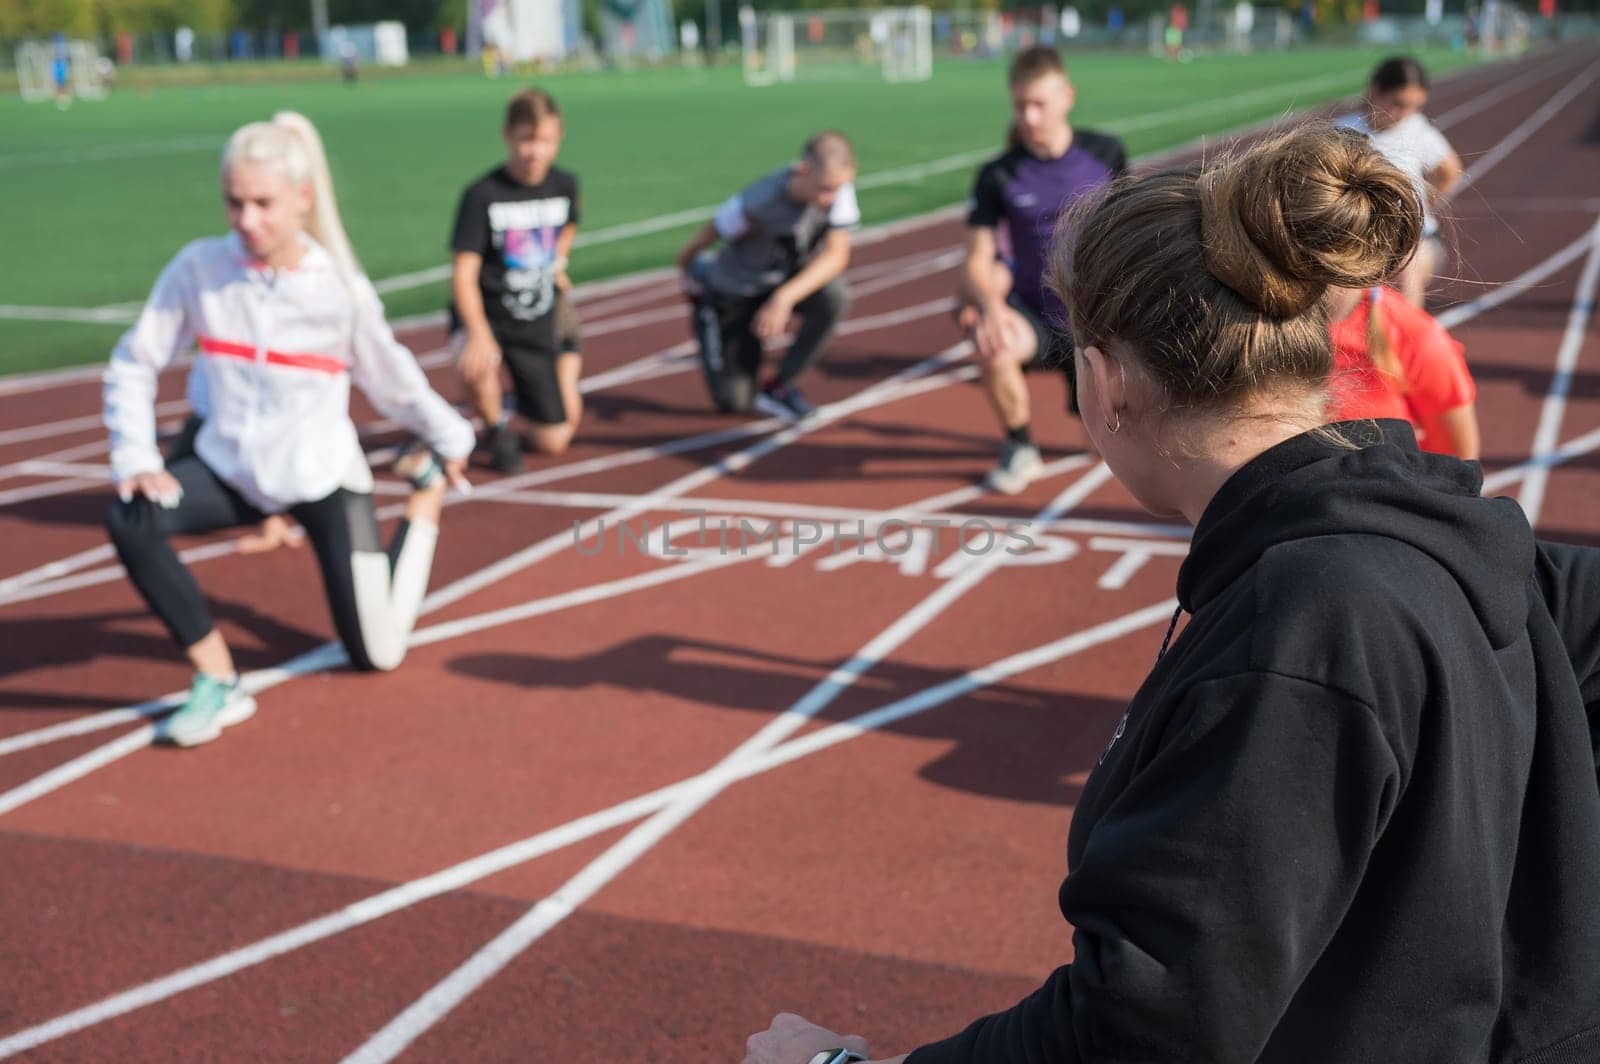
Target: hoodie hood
(1307, 487)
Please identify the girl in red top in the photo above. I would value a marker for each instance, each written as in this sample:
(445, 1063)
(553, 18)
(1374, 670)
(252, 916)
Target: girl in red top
(1392, 359)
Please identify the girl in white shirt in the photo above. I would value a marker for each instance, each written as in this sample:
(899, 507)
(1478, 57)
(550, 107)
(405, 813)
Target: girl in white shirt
(1393, 120)
(284, 320)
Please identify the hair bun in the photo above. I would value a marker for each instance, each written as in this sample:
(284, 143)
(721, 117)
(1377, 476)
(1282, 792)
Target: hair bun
(1317, 207)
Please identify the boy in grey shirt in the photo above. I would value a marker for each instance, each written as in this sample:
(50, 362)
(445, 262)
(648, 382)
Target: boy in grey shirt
(785, 245)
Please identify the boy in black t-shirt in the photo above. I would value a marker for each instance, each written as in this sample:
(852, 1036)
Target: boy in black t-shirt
(514, 228)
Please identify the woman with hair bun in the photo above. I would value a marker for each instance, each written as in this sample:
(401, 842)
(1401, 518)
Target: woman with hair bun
(1352, 813)
(284, 320)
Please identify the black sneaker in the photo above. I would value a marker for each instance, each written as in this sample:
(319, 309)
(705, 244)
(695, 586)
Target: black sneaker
(505, 450)
(785, 401)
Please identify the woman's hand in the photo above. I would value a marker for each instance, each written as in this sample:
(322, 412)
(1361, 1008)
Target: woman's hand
(480, 358)
(160, 487)
(793, 1040)
(455, 471)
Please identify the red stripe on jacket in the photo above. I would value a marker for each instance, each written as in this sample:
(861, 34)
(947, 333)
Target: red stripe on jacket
(318, 363)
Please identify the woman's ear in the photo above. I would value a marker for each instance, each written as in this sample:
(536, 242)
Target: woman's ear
(305, 198)
(1108, 384)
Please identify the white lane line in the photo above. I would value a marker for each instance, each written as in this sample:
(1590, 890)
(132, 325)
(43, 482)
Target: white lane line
(45, 491)
(1504, 293)
(45, 468)
(1555, 402)
(327, 656)
(825, 415)
(1529, 126)
(923, 266)
(894, 272)
(1577, 447)
(938, 505)
(29, 586)
(911, 381)
(1485, 100)
(439, 1001)
(476, 869)
(324, 657)
(70, 454)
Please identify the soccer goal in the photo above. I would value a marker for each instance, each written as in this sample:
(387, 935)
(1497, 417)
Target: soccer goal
(894, 43)
(36, 70)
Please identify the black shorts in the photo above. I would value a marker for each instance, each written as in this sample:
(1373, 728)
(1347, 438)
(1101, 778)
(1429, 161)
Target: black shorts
(533, 366)
(1052, 347)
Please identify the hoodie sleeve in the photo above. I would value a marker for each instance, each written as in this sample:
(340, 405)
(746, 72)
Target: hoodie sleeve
(1210, 885)
(163, 330)
(1569, 577)
(387, 373)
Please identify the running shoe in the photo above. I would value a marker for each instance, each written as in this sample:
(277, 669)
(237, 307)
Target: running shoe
(1019, 465)
(784, 401)
(505, 450)
(213, 705)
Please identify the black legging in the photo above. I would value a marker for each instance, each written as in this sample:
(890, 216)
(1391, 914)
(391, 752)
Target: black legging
(731, 352)
(373, 595)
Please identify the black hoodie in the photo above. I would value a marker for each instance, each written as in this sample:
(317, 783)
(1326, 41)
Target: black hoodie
(1352, 815)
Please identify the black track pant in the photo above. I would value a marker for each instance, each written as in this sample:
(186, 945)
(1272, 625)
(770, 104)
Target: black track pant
(730, 351)
(373, 594)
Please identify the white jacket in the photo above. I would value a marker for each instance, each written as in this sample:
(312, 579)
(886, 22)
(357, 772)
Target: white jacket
(278, 350)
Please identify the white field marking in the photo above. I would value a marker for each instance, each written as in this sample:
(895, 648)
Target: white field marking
(318, 659)
(722, 507)
(885, 275)
(488, 961)
(79, 424)
(20, 160)
(912, 381)
(1555, 402)
(77, 768)
(71, 454)
(1529, 126)
(912, 173)
(1136, 553)
(1544, 204)
(44, 468)
(27, 587)
(1485, 100)
(326, 656)
(114, 315)
(44, 491)
(61, 567)
(903, 382)
(923, 266)
(255, 683)
(120, 314)
(1464, 312)
(1574, 448)
(668, 289)
(476, 869)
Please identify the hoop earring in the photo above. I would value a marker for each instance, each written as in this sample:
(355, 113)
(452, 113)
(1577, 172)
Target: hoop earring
(1114, 429)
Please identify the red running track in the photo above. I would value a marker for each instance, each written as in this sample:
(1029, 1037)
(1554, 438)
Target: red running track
(275, 895)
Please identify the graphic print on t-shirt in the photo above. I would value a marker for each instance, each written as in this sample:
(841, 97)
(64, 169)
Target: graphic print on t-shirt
(525, 234)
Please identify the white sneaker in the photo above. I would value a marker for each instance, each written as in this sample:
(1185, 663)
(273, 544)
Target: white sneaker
(1019, 465)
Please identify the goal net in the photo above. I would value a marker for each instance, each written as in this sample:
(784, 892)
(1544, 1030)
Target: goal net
(40, 62)
(895, 44)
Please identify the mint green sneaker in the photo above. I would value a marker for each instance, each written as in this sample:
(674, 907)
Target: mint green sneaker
(212, 706)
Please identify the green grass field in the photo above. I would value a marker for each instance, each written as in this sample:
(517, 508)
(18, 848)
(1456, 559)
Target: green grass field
(100, 196)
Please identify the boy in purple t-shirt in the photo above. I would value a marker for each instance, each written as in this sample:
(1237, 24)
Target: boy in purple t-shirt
(1015, 321)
